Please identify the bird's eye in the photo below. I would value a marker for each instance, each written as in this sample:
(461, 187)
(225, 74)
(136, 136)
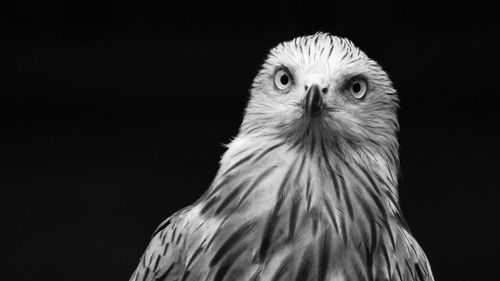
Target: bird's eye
(357, 88)
(282, 79)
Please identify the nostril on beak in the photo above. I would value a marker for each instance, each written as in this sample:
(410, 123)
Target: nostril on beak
(324, 90)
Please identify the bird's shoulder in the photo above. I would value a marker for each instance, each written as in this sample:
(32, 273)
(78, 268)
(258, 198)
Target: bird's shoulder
(404, 258)
(166, 253)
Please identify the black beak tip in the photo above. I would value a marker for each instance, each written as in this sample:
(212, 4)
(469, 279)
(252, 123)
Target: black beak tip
(314, 101)
(316, 111)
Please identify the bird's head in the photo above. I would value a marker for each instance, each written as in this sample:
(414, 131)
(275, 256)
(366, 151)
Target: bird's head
(322, 88)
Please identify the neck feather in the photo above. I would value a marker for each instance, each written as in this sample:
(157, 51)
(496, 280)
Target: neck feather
(256, 166)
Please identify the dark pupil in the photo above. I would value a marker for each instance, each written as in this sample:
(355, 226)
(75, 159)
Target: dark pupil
(356, 87)
(284, 79)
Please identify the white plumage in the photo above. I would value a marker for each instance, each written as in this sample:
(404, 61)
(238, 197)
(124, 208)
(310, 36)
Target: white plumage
(308, 188)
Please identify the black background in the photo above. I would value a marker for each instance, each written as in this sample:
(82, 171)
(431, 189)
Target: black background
(113, 116)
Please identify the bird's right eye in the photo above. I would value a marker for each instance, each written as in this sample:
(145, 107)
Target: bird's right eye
(358, 88)
(282, 79)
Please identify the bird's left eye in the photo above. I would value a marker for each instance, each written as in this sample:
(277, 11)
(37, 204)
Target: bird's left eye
(282, 79)
(357, 88)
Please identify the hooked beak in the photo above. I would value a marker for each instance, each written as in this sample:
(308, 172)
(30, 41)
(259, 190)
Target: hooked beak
(313, 101)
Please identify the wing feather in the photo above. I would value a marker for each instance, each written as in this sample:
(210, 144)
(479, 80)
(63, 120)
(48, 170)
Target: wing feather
(165, 256)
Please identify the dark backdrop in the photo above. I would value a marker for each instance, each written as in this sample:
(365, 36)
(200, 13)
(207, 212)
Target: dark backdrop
(113, 116)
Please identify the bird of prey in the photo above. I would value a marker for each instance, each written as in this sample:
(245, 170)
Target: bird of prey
(308, 189)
